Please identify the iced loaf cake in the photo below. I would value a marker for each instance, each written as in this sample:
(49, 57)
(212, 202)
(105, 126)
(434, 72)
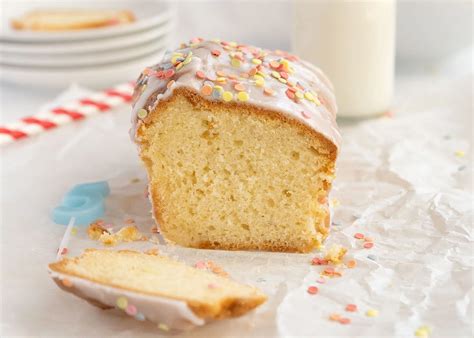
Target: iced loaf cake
(240, 145)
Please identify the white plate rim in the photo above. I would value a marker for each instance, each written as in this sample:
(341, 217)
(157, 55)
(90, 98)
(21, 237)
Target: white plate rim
(60, 78)
(83, 47)
(89, 60)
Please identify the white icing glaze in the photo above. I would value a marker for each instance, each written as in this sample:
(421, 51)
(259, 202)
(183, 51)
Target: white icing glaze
(173, 313)
(302, 77)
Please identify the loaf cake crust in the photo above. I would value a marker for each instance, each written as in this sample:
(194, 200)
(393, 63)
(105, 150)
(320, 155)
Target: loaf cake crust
(275, 100)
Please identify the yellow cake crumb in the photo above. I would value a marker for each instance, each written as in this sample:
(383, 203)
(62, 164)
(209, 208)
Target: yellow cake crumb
(335, 254)
(154, 252)
(96, 230)
(128, 233)
(108, 239)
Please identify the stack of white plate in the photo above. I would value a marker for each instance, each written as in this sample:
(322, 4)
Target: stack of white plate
(95, 57)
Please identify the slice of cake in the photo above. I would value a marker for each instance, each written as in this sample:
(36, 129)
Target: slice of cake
(240, 145)
(153, 287)
(71, 19)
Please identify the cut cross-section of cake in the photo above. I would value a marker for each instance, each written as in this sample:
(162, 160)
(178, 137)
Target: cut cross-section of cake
(153, 287)
(240, 145)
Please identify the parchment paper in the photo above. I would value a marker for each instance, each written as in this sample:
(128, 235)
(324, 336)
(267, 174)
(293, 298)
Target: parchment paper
(399, 182)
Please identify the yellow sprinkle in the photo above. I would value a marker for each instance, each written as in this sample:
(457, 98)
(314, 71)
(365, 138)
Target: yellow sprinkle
(163, 327)
(235, 62)
(459, 153)
(233, 44)
(243, 96)
(218, 87)
(262, 74)
(282, 80)
(299, 94)
(372, 313)
(276, 75)
(221, 79)
(256, 61)
(309, 96)
(260, 82)
(227, 96)
(188, 59)
(179, 66)
(122, 303)
(73, 231)
(423, 331)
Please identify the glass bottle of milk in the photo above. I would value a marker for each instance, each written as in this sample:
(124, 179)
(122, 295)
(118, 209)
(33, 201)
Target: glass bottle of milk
(353, 43)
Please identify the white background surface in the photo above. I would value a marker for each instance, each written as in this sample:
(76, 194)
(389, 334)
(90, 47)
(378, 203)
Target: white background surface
(398, 182)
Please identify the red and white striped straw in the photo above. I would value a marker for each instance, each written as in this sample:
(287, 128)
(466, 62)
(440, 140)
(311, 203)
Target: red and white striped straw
(74, 111)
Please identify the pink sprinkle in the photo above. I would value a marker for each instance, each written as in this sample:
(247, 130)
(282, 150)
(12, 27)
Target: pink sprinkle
(312, 290)
(321, 281)
(200, 265)
(200, 74)
(344, 321)
(305, 115)
(368, 245)
(212, 286)
(63, 251)
(351, 307)
(108, 225)
(358, 235)
(131, 310)
(169, 73)
(319, 261)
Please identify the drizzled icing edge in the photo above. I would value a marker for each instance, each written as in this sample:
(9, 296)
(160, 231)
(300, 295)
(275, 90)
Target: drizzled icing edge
(169, 313)
(227, 72)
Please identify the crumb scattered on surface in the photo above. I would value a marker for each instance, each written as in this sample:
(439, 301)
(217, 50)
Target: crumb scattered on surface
(108, 239)
(130, 233)
(154, 252)
(335, 254)
(331, 272)
(212, 267)
(96, 230)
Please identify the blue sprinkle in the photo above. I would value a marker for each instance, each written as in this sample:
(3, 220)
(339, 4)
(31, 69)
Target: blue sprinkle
(372, 257)
(216, 93)
(140, 316)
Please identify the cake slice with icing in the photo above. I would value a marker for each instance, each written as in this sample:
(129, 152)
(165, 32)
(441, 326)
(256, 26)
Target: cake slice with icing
(240, 145)
(153, 287)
